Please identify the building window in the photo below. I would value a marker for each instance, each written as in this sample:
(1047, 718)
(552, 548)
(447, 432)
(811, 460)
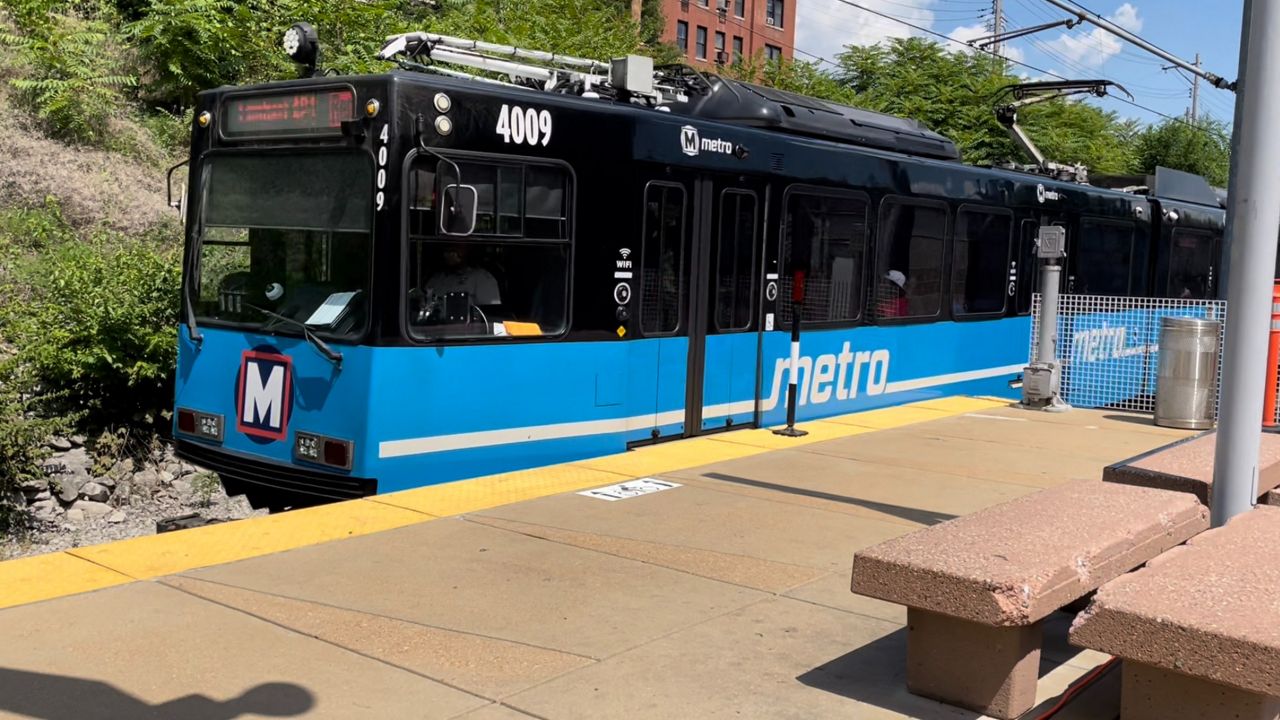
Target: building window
(700, 46)
(773, 13)
(662, 259)
(720, 57)
(739, 8)
(830, 230)
(980, 258)
(703, 3)
(737, 48)
(682, 36)
(909, 272)
(772, 52)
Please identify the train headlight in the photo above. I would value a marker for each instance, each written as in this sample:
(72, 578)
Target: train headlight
(302, 44)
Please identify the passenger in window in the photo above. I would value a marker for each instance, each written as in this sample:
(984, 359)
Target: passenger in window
(893, 296)
(459, 276)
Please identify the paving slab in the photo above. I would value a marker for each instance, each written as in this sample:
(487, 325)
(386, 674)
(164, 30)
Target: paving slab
(1187, 466)
(145, 651)
(1015, 563)
(918, 449)
(1209, 609)
(482, 665)
(699, 518)
(887, 493)
(1102, 442)
(457, 575)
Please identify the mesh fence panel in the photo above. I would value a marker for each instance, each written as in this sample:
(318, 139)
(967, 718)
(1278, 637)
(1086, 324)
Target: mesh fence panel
(1109, 347)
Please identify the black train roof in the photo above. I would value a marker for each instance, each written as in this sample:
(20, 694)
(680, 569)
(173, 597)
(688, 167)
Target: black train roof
(742, 103)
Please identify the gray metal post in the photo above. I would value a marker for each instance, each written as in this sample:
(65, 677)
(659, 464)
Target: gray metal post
(997, 23)
(1047, 338)
(1253, 222)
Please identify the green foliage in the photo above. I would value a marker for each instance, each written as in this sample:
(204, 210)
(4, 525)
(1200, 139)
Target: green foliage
(33, 228)
(98, 324)
(76, 73)
(205, 485)
(586, 28)
(24, 428)
(1204, 150)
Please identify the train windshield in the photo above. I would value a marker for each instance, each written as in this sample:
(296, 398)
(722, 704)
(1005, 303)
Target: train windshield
(488, 249)
(285, 240)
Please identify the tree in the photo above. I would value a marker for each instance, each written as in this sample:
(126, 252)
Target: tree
(1203, 149)
(955, 94)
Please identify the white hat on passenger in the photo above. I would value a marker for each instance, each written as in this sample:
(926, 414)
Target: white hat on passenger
(896, 278)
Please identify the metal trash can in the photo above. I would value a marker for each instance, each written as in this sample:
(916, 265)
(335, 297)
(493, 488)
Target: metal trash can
(1187, 379)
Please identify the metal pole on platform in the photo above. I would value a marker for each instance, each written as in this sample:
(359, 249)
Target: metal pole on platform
(797, 309)
(1253, 223)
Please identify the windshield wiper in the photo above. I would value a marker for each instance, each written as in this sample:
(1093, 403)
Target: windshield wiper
(334, 356)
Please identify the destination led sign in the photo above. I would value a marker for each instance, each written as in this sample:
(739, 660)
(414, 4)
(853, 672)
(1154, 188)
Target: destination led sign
(306, 113)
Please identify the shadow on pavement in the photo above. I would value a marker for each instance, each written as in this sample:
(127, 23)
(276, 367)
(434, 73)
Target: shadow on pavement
(58, 697)
(1133, 419)
(876, 674)
(915, 515)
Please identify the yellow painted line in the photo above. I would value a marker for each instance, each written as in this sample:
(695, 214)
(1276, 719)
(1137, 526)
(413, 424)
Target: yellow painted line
(960, 405)
(669, 457)
(155, 555)
(42, 577)
(767, 440)
(889, 418)
(83, 569)
(467, 496)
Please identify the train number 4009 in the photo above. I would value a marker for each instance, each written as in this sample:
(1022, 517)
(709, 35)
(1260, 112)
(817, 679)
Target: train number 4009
(524, 126)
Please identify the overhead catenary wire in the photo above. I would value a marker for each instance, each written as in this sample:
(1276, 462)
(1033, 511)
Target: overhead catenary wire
(1042, 71)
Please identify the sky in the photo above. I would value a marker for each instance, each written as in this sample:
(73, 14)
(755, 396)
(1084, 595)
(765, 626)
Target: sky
(1181, 27)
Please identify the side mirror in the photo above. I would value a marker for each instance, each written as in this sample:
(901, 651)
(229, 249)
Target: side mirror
(458, 211)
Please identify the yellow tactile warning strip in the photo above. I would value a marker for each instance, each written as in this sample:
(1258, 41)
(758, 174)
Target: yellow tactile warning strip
(84, 569)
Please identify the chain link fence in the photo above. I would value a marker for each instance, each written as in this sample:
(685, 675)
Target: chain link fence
(1109, 347)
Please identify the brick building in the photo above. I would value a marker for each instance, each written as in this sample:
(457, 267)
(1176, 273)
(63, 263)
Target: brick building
(711, 31)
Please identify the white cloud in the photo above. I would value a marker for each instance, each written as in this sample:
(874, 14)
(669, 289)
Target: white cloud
(965, 33)
(825, 27)
(1094, 48)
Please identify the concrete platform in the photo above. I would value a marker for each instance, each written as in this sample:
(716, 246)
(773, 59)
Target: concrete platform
(1187, 466)
(1199, 627)
(514, 596)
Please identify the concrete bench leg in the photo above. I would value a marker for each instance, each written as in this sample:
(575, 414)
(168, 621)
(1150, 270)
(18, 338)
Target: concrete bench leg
(1149, 693)
(993, 670)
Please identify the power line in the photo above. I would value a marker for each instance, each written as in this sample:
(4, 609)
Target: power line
(1029, 66)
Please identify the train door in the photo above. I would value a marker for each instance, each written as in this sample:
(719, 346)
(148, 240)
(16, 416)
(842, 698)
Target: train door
(724, 322)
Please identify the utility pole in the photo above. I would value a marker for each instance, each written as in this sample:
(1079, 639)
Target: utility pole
(997, 23)
(1195, 94)
(1253, 222)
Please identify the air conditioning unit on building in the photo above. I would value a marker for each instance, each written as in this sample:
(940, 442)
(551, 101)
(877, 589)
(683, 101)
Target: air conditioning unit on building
(770, 22)
(722, 57)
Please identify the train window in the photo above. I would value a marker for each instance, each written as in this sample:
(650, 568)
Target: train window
(835, 226)
(509, 276)
(1191, 264)
(736, 260)
(1103, 254)
(909, 275)
(662, 258)
(981, 254)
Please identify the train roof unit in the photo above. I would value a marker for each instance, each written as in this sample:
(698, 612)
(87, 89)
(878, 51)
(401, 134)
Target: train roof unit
(678, 89)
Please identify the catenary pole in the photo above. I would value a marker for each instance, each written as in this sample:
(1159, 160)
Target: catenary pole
(1253, 223)
(1195, 94)
(997, 23)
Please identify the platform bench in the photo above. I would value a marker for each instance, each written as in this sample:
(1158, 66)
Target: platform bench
(1187, 466)
(977, 587)
(1199, 627)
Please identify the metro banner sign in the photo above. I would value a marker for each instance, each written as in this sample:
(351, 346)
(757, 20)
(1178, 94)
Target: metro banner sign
(263, 394)
(1112, 357)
